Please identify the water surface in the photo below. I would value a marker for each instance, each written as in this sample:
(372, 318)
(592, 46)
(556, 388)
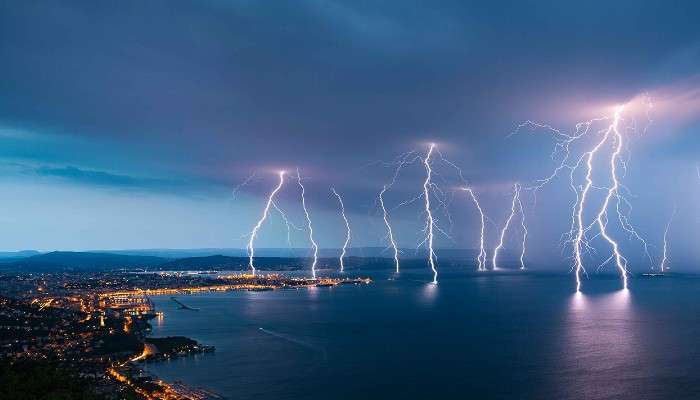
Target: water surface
(485, 336)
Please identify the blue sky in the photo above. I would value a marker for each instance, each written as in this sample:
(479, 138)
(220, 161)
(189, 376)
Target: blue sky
(128, 125)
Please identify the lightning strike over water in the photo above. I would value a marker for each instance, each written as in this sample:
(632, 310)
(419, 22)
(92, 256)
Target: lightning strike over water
(481, 259)
(256, 228)
(580, 232)
(610, 134)
(442, 196)
(579, 240)
(429, 215)
(620, 260)
(402, 161)
(390, 233)
(523, 227)
(611, 139)
(516, 199)
(308, 221)
(347, 230)
(664, 260)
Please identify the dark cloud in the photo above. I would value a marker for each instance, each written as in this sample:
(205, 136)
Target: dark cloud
(201, 92)
(292, 82)
(101, 178)
(51, 174)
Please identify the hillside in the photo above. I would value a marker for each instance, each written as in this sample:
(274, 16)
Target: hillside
(69, 260)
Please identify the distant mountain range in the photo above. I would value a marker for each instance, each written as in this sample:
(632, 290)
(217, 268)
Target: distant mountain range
(18, 254)
(219, 262)
(262, 252)
(199, 259)
(69, 260)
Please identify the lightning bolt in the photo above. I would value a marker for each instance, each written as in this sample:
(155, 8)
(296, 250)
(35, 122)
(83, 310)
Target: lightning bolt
(429, 188)
(390, 233)
(430, 223)
(403, 160)
(581, 203)
(523, 227)
(256, 228)
(664, 259)
(311, 229)
(612, 133)
(240, 186)
(516, 199)
(287, 223)
(481, 259)
(610, 137)
(602, 218)
(347, 229)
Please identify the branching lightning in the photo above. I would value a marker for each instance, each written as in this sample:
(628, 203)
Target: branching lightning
(287, 223)
(610, 139)
(481, 259)
(516, 199)
(256, 228)
(580, 240)
(402, 161)
(311, 229)
(664, 260)
(429, 225)
(602, 218)
(430, 191)
(347, 229)
(241, 185)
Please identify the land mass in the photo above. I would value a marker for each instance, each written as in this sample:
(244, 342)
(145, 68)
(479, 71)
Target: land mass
(30, 261)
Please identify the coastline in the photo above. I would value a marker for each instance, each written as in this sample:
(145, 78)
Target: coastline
(163, 349)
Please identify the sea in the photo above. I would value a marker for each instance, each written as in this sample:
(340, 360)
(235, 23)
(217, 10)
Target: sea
(511, 335)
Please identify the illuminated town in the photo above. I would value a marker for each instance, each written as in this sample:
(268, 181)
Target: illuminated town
(97, 324)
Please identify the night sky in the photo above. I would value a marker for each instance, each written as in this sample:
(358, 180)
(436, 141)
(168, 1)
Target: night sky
(129, 124)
